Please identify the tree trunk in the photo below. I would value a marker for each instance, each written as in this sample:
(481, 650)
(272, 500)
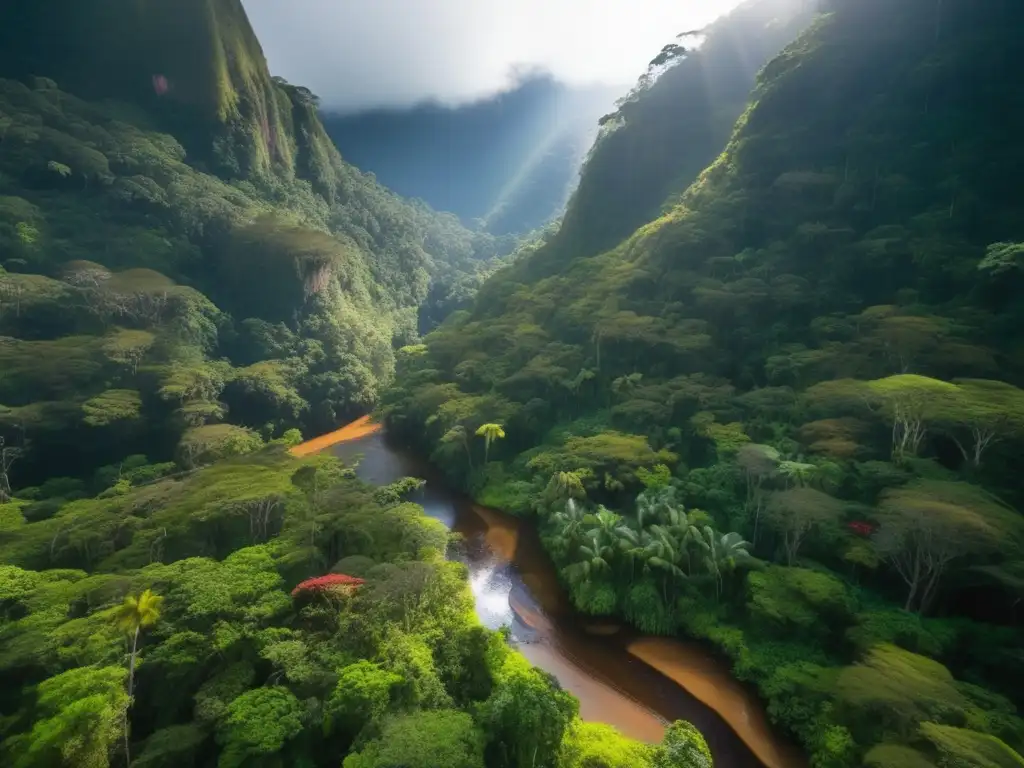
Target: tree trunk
(131, 662)
(914, 582)
(792, 544)
(930, 591)
(131, 688)
(910, 597)
(757, 520)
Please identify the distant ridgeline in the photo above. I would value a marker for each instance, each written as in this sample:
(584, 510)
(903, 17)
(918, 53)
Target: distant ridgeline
(811, 343)
(182, 246)
(509, 161)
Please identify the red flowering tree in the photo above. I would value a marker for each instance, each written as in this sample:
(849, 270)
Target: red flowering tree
(861, 528)
(333, 585)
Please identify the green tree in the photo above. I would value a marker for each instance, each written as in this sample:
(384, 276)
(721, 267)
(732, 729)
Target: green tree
(798, 601)
(258, 724)
(911, 403)
(128, 347)
(668, 553)
(721, 553)
(797, 474)
(990, 411)
(595, 745)
(8, 455)
(682, 746)
(315, 479)
(81, 716)
(797, 512)
(1001, 258)
(569, 525)
(490, 433)
(135, 614)
(929, 526)
(202, 445)
(893, 690)
(593, 557)
(362, 694)
(570, 483)
(435, 739)
(526, 717)
(114, 406)
(171, 747)
(759, 463)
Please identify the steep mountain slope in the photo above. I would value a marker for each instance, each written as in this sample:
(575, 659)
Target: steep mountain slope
(510, 160)
(175, 588)
(185, 185)
(196, 65)
(814, 349)
(654, 146)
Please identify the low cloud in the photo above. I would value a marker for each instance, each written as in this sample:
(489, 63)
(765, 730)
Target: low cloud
(357, 54)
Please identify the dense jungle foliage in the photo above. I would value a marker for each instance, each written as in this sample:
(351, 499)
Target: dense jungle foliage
(785, 416)
(188, 271)
(143, 297)
(267, 611)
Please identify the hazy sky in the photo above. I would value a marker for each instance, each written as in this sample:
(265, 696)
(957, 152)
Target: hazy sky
(363, 53)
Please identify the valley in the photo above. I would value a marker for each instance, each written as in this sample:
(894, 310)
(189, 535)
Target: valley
(720, 467)
(515, 584)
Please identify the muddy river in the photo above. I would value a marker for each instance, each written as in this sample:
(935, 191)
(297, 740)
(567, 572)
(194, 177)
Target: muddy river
(633, 682)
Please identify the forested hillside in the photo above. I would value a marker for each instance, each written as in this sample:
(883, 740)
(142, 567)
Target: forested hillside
(277, 612)
(195, 252)
(671, 126)
(784, 414)
(188, 271)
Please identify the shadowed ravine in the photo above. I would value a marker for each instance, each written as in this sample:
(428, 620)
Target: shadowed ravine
(633, 682)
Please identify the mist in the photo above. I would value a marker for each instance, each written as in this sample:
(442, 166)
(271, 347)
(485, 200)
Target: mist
(396, 53)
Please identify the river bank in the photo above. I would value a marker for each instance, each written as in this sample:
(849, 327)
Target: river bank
(634, 683)
(358, 429)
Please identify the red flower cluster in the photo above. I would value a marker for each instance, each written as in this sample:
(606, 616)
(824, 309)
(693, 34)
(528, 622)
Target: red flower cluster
(861, 528)
(332, 582)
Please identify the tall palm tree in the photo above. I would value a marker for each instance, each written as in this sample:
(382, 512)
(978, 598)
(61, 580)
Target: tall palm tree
(646, 508)
(454, 437)
(605, 522)
(134, 615)
(798, 473)
(570, 483)
(676, 521)
(666, 553)
(624, 386)
(635, 545)
(569, 522)
(660, 507)
(721, 553)
(576, 384)
(490, 433)
(595, 557)
(653, 548)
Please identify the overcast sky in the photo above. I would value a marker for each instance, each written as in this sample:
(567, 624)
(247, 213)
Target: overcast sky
(365, 53)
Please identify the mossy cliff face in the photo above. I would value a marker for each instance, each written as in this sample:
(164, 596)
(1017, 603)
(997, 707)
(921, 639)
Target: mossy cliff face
(195, 64)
